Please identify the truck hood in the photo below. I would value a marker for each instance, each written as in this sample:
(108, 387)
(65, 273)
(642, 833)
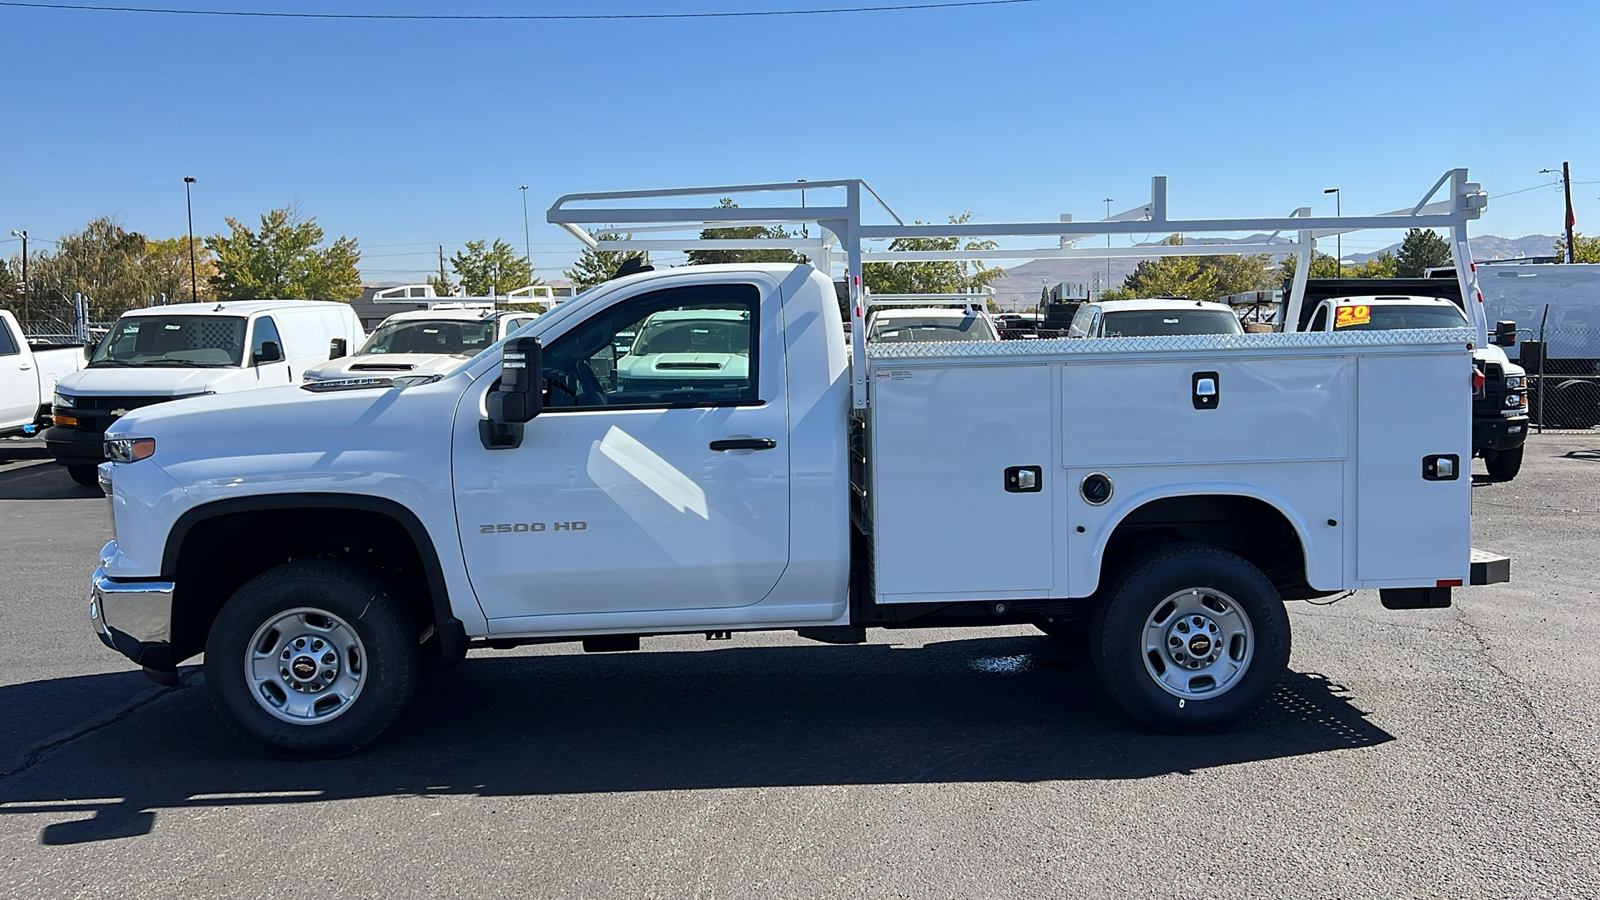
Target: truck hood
(379, 365)
(130, 381)
(1497, 355)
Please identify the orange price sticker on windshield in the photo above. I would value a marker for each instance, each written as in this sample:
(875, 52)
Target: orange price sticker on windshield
(1346, 316)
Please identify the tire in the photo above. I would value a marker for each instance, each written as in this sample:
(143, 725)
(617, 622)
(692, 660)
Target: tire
(350, 689)
(1577, 404)
(1504, 465)
(88, 476)
(1229, 624)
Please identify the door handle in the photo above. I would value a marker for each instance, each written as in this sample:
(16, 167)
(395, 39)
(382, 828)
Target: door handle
(744, 444)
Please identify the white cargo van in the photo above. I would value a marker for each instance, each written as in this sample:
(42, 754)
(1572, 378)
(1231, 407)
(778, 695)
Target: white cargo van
(188, 350)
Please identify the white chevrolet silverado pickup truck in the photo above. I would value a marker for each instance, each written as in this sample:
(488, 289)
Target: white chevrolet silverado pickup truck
(1162, 496)
(28, 376)
(1170, 492)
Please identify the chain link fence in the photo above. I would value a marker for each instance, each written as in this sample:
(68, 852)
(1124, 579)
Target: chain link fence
(57, 318)
(1563, 365)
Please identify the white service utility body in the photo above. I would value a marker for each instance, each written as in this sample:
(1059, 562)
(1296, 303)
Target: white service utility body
(28, 376)
(1164, 495)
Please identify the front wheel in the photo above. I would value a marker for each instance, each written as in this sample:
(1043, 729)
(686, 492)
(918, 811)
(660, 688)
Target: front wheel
(1193, 637)
(1503, 465)
(311, 659)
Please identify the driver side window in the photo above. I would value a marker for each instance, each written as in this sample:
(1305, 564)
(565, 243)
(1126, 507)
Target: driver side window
(688, 346)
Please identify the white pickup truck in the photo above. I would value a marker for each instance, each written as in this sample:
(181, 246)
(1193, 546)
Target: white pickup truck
(1165, 494)
(28, 376)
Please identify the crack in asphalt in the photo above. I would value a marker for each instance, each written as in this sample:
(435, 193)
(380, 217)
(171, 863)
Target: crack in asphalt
(1592, 786)
(36, 755)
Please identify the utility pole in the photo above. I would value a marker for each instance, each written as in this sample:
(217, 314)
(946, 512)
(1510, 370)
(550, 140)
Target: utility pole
(1108, 245)
(442, 281)
(527, 241)
(24, 236)
(1566, 187)
(1338, 239)
(1566, 183)
(194, 283)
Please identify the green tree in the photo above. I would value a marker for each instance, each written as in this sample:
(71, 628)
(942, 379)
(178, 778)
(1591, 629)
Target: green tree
(1323, 265)
(1422, 249)
(741, 232)
(1238, 273)
(166, 265)
(1178, 276)
(938, 277)
(482, 266)
(1384, 265)
(1584, 249)
(598, 266)
(102, 262)
(285, 259)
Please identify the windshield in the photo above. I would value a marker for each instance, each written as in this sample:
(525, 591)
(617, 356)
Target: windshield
(1153, 322)
(441, 336)
(912, 329)
(202, 342)
(1361, 317)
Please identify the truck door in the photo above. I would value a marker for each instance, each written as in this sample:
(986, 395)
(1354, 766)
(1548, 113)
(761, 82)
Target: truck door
(657, 477)
(19, 380)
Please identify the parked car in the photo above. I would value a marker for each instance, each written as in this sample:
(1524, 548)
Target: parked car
(1500, 410)
(28, 377)
(1151, 318)
(185, 350)
(896, 325)
(423, 342)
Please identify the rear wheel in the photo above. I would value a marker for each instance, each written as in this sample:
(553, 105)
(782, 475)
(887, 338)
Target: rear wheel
(88, 476)
(1503, 465)
(1193, 637)
(311, 659)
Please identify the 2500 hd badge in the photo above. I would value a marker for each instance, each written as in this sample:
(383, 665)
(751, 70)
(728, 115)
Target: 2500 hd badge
(522, 527)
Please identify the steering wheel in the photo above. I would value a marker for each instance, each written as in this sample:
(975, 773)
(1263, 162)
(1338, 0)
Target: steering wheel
(589, 387)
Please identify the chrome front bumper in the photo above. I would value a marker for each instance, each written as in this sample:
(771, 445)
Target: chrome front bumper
(133, 618)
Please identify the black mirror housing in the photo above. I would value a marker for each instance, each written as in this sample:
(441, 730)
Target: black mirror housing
(519, 398)
(270, 352)
(1505, 334)
(337, 348)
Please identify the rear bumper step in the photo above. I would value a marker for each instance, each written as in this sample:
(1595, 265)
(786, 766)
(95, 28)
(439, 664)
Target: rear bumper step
(1490, 568)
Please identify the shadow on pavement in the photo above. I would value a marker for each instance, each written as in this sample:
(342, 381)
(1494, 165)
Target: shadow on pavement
(993, 709)
(42, 481)
(1590, 455)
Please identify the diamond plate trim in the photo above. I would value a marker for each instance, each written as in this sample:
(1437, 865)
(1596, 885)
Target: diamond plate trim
(1081, 346)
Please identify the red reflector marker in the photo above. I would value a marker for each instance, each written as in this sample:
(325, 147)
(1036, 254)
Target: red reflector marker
(1477, 379)
(1449, 582)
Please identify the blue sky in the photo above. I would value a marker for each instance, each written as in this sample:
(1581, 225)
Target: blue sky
(408, 134)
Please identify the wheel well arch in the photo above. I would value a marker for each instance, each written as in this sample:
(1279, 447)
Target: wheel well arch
(1255, 527)
(215, 548)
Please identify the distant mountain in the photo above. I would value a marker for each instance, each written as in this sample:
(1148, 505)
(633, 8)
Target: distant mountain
(1484, 248)
(1022, 284)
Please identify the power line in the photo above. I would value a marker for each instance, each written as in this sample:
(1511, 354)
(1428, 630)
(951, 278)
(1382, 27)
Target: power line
(746, 14)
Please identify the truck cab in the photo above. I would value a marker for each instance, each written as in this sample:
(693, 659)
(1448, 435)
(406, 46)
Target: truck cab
(423, 342)
(1153, 317)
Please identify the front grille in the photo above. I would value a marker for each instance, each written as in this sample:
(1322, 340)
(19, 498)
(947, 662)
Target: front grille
(1494, 391)
(110, 403)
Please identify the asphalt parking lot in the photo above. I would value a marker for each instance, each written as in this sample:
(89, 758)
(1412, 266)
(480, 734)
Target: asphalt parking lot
(1409, 754)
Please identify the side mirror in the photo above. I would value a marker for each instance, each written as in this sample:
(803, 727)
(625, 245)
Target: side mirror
(337, 348)
(519, 397)
(90, 348)
(270, 352)
(1505, 334)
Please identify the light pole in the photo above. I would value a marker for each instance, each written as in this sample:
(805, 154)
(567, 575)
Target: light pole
(194, 284)
(24, 236)
(1338, 240)
(527, 242)
(1566, 186)
(804, 230)
(1108, 245)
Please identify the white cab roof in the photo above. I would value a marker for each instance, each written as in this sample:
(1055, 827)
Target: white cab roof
(230, 307)
(1160, 303)
(1392, 300)
(447, 314)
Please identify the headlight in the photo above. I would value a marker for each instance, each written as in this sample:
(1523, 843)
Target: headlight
(61, 399)
(1516, 382)
(1516, 400)
(127, 450)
